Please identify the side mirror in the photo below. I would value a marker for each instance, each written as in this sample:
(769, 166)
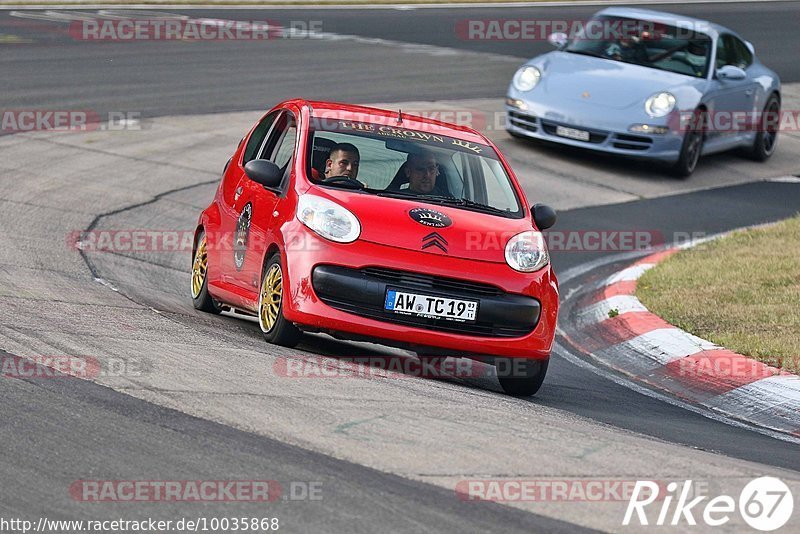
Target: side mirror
(264, 172)
(543, 216)
(558, 39)
(729, 72)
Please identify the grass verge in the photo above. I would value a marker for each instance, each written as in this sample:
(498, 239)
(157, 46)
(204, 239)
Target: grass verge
(741, 292)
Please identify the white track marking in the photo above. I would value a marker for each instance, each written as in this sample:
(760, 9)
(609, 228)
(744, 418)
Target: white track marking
(663, 397)
(634, 272)
(291, 33)
(656, 349)
(786, 179)
(769, 402)
(617, 305)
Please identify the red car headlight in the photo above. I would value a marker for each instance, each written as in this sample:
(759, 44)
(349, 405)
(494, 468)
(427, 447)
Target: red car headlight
(328, 219)
(527, 252)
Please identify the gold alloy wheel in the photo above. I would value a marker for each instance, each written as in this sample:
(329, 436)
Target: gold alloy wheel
(199, 267)
(270, 303)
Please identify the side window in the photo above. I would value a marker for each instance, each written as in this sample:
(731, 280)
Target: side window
(732, 51)
(285, 150)
(743, 53)
(257, 139)
(495, 179)
(722, 53)
(279, 145)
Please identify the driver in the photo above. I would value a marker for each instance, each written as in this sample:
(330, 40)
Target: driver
(343, 160)
(628, 48)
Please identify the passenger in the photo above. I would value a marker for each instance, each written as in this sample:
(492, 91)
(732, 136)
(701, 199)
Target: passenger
(342, 161)
(421, 171)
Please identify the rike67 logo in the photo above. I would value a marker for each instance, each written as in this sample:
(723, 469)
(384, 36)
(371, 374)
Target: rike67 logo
(765, 504)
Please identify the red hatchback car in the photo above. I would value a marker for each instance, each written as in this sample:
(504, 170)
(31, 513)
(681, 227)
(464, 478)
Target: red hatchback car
(373, 225)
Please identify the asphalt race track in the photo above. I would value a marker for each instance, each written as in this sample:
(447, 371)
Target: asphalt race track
(169, 78)
(201, 397)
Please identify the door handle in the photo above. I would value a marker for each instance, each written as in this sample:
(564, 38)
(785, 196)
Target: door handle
(238, 193)
(748, 92)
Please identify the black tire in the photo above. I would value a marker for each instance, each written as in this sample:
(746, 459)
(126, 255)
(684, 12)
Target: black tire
(767, 137)
(280, 332)
(692, 146)
(201, 300)
(520, 377)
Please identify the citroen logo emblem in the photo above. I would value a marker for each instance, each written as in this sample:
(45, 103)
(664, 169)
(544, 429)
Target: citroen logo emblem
(434, 240)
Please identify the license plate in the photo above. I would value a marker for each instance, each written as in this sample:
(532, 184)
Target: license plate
(427, 306)
(572, 133)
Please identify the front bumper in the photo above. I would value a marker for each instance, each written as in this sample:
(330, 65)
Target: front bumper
(338, 288)
(604, 135)
(363, 292)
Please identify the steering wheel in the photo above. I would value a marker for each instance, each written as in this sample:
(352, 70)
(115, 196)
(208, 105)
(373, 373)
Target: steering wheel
(346, 181)
(666, 53)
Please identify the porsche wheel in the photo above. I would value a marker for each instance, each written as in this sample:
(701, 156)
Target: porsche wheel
(767, 136)
(273, 324)
(521, 378)
(200, 298)
(692, 145)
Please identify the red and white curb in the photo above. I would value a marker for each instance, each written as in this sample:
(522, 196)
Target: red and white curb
(614, 327)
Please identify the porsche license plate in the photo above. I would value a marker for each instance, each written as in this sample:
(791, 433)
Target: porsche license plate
(572, 133)
(428, 306)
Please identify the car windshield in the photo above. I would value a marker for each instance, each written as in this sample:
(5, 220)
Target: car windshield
(400, 162)
(647, 43)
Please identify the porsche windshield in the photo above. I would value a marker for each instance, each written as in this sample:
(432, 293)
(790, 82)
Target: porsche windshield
(646, 43)
(406, 163)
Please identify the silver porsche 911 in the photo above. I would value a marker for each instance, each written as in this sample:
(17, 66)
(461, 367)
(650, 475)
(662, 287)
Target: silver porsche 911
(652, 85)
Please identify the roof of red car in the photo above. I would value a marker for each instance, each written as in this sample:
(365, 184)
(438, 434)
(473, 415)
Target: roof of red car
(412, 120)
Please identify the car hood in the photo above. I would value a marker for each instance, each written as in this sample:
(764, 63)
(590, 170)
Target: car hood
(469, 234)
(604, 83)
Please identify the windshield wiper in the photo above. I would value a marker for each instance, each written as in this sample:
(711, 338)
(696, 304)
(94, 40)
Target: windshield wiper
(390, 194)
(439, 199)
(452, 201)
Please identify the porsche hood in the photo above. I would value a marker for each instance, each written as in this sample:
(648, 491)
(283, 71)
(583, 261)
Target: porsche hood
(597, 81)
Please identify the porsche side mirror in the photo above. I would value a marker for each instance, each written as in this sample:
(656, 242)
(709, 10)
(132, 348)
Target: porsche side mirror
(264, 172)
(730, 72)
(543, 216)
(558, 39)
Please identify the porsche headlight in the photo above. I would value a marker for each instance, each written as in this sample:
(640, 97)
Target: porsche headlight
(328, 219)
(526, 78)
(659, 104)
(526, 252)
